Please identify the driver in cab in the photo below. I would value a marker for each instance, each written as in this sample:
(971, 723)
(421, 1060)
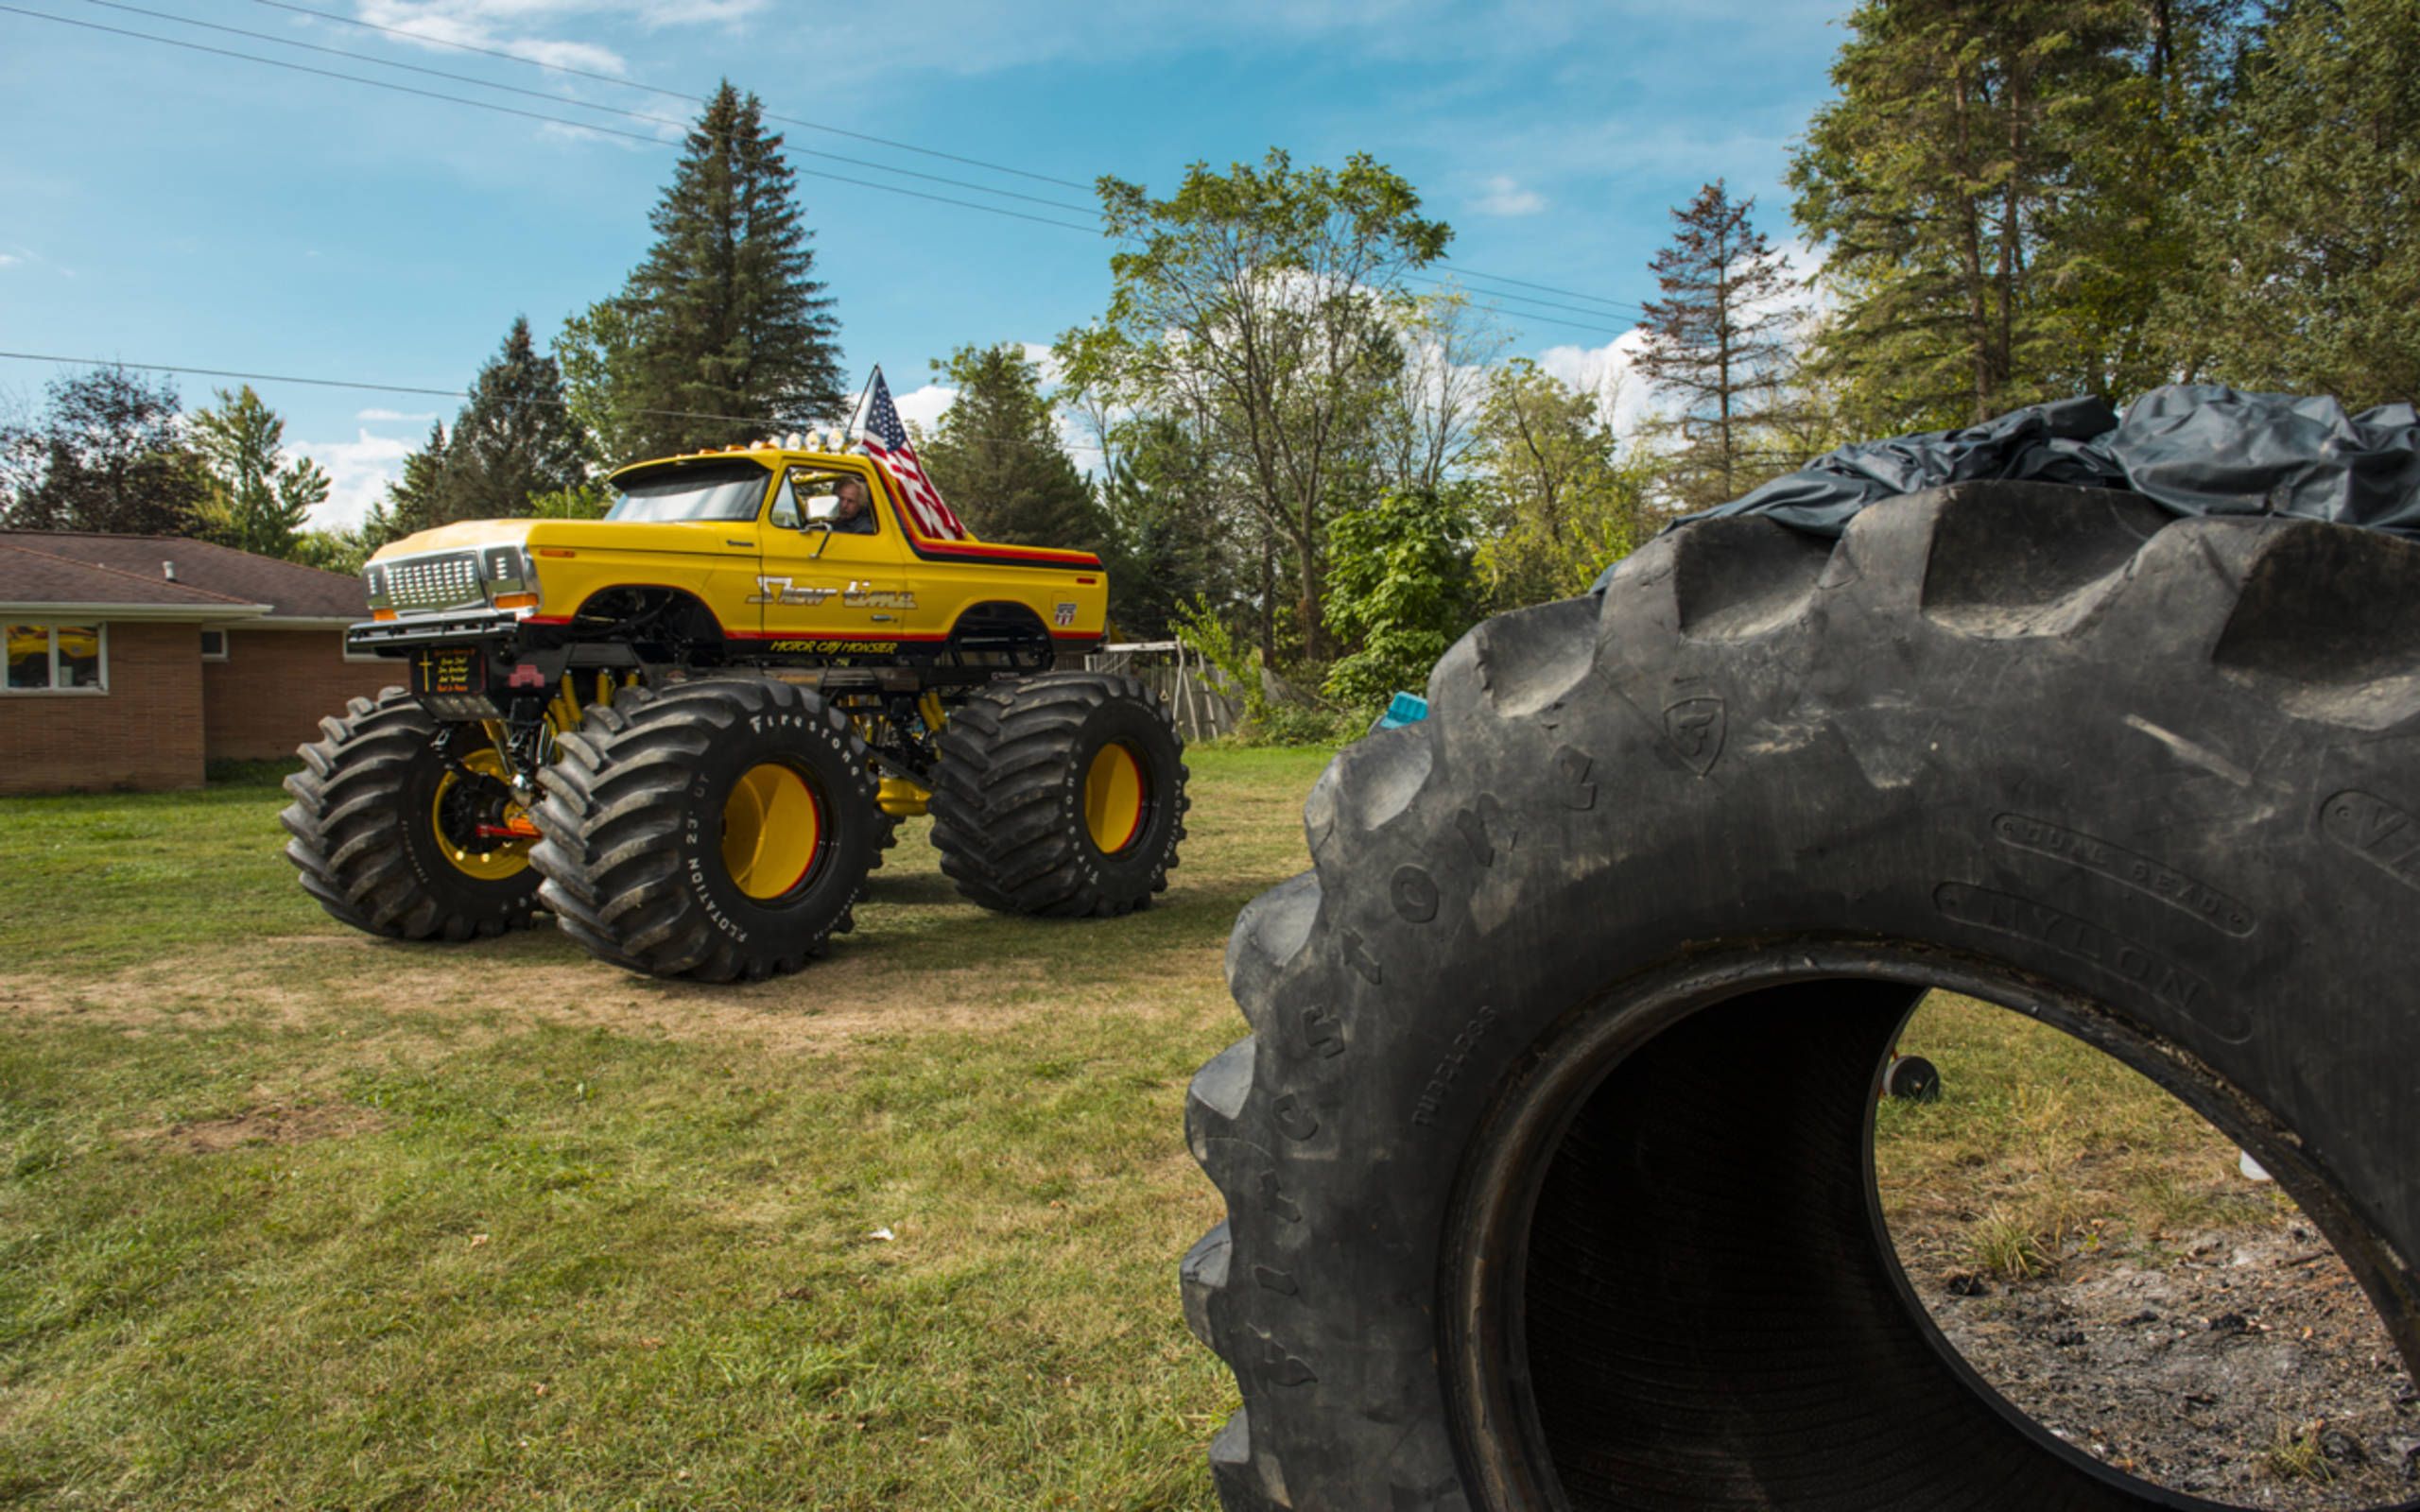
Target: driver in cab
(853, 510)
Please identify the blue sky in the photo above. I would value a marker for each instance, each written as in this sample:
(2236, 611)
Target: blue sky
(169, 206)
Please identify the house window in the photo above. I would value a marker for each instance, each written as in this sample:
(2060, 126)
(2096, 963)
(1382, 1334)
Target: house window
(58, 658)
(214, 645)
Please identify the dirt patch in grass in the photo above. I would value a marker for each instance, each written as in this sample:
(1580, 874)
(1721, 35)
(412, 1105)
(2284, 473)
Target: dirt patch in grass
(2095, 1252)
(270, 1124)
(2252, 1371)
(377, 991)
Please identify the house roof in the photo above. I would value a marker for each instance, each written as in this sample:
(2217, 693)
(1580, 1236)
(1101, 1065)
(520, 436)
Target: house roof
(136, 570)
(37, 581)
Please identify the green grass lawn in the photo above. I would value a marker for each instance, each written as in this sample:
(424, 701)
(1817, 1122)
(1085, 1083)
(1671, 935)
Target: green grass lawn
(295, 1218)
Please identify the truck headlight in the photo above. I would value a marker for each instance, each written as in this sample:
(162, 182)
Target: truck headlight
(373, 578)
(508, 577)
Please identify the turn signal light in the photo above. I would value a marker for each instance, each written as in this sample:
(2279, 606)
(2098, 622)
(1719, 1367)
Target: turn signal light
(557, 551)
(383, 614)
(516, 601)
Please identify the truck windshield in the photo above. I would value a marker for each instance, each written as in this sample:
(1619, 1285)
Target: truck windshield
(717, 490)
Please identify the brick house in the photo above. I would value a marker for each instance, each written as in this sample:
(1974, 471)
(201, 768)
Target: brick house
(132, 661)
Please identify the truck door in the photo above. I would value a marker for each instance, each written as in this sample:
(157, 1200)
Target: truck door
(827, 581)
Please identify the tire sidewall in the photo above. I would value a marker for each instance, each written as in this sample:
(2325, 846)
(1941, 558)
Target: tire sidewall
(809, 740)
(1135, 871)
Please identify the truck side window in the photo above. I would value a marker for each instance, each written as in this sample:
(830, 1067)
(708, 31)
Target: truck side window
(816, 495)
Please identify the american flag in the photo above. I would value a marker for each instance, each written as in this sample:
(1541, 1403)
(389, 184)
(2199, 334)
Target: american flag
(886, 443)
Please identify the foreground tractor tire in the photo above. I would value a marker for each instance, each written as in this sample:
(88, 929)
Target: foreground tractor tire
(1546, 1165)
(718, 829)
(1060, 795)
(385, 832)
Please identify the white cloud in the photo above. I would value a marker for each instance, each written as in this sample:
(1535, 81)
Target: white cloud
(1040, 354)
(358, 471)
(507, 25)
(392, 415)
(8, 258)
(1624, 397)
(924, 407)
(1505, 196)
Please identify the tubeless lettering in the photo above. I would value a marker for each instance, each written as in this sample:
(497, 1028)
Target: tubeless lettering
(2119, 865)
(1414, 893)
(2083, 940)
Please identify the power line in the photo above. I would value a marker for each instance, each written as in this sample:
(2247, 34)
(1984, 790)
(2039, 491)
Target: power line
(1544, 288)
(653, 88)
(647, 138)
(1505, 309)
(756, 422)
(558, 99)
(533, 116)
(1438, 282)
(791, 120)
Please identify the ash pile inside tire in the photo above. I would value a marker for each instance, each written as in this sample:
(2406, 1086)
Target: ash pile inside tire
(2251, 1371)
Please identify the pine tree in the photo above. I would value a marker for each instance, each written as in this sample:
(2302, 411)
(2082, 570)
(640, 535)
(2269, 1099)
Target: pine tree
(1935, 186)
(731, 334)
(1718, 341)
(258, 502)
(415, 501)
(107, 454)
(995, 456)
(2307, 268)
(514, 438)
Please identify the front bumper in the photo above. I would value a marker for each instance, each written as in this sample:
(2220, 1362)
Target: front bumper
(489, 628)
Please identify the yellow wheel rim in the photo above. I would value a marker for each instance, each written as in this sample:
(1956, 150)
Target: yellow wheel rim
(1113, 795)
(771, 828)
(504, 857)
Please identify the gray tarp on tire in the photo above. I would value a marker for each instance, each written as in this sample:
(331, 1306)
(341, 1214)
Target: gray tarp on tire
(2192, 449)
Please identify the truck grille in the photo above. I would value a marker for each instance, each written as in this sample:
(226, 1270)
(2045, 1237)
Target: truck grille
(450, 581)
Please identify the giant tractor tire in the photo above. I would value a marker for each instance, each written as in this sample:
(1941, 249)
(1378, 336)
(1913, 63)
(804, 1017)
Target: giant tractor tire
(720, 828)
(1060, 795)
(1548, 1164)
(387, 831)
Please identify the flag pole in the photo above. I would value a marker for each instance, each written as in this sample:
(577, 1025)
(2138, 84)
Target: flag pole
(858, 408)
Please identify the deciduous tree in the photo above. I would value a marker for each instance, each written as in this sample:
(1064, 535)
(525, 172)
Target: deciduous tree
(1558, 500)
(1264, 302)
(258, 500)
(107, 453)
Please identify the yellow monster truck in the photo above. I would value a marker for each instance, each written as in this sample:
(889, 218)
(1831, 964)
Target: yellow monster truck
(689, 730)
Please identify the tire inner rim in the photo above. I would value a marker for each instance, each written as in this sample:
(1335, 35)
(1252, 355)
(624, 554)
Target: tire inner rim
(1667, 1281)
(772, 831)
(498, 858)
(1115, 797)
